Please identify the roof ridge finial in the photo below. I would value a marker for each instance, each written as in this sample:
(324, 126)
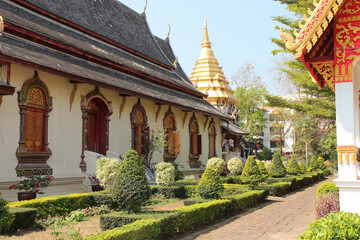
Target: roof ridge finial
(206, 40)
(143, 13)
(168, 34)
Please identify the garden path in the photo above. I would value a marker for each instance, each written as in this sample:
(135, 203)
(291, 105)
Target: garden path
(277, 219)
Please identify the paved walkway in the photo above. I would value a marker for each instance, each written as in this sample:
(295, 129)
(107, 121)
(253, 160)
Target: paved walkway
(277, 219)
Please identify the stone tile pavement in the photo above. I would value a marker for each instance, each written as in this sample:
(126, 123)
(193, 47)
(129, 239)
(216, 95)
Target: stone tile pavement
(279, 218)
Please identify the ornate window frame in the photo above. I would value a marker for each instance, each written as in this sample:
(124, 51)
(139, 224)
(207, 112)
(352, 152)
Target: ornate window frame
(194, 158)
(85, 108)
(33, 162)
(144, 126)
(168, 156)
(212, 124)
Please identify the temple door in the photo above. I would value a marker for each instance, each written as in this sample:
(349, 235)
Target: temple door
(96, 128)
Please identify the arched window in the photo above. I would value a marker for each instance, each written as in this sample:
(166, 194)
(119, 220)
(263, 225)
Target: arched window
(212, 139)
(172, 137)
(35, 104)
(139, 127)
(96, 117)
(195, 142)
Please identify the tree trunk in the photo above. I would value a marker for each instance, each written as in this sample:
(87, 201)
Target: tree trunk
(307, 156)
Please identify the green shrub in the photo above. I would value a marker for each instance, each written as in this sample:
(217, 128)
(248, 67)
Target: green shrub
(57, 205)
(104, 198)
(325, 188)
(119, 219)
(231, 180)
(170, 191)
(210, 186)
(106, 169)
(165, 173)
(313, 163)
(186, 182)
(191, 191)
(302, 168)
(246, 200)
(178, 174)
(192, 201)
(263, 171)
(293, 168)
(265, 154)
(217, 164)
(6, 217)
(130, 188)
(277, 168)
(276, 189)
(251, 173)
(334, 226)
(320, 163)
(24, 218)
(235, 166)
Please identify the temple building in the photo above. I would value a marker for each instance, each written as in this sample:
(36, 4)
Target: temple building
(92, 80)
(329, 46)
(208, 77)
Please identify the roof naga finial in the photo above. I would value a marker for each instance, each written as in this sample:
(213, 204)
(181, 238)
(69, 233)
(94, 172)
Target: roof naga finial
(168, 34)
(175, 62)
(143, 13)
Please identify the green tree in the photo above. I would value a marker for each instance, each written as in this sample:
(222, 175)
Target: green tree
(263, 171)
(277, 168)
(265, 154)
(251, 173)
(209, 186)
(250, 91)
(131, 189)
(293, 168)
(314, 163)
(155, 141)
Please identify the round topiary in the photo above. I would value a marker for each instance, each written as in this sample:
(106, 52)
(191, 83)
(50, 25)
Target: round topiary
(209, 186)
(302, 168)
(106, 170)
(131, 189)
(313, 163)
(277, 168)
(263, 171)
(6, 218)
(235, 166)
(165, 173)
(326, 188)
(293, 168)
(216, 163)
(321, 164)
(251, 173)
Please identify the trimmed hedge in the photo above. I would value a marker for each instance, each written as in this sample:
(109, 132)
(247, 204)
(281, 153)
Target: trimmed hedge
(231, 180)
(181, 220)
(186, 182)
(326, 188)
(63, 204)
(170, 191)
(277, 189)
(192, 201)
(24, 218)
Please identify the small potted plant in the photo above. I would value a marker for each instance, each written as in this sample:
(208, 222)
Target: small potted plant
(30, 185)
(95, 183)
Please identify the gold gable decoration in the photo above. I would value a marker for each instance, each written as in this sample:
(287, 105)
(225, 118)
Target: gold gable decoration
(326, 70)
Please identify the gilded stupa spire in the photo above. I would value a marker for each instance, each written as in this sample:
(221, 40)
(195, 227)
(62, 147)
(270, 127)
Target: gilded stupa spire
(208, 76)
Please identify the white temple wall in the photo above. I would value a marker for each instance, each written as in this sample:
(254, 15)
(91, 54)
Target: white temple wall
(65, 131)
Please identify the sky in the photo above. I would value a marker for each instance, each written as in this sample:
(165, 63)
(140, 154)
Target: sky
(239, 31)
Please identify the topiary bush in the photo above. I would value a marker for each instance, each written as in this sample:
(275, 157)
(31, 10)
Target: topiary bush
(334, 226)
(263, 171)
(210, 186)
(326, 188)
(235, 166)
(131, 189)
(321, 164)
(313, 163)
(293, 168)
(217, 164)
(165, 173)
(106, 170)
(302, 168)
(277, 168)
(326, 204)
(251, 173)
(6, 217)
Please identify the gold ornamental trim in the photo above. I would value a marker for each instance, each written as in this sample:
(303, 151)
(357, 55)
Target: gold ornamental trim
(314, 27)
(326, 70)
(346, 154)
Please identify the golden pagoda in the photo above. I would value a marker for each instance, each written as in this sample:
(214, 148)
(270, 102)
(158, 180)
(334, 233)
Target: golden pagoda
(208, 77)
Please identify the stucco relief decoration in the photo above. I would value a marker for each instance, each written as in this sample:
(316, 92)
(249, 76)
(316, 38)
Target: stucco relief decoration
(72, 95)
(1, 27)
(326, 70)
(347, 38)
(346, 154)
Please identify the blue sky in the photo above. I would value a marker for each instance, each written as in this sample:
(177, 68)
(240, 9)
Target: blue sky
(239, 31)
